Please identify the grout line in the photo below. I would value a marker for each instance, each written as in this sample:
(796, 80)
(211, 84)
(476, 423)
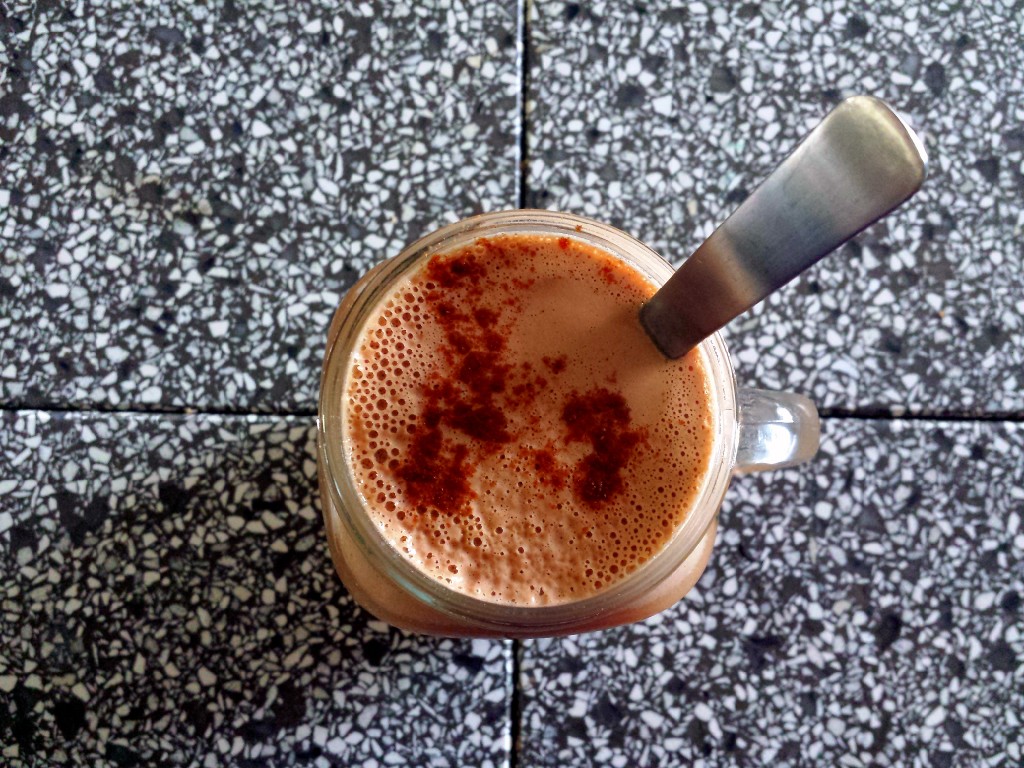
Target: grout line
(522, 164)
(107, 410)
(522, 178)
(882, 414)
(516, 713)
(826, 414)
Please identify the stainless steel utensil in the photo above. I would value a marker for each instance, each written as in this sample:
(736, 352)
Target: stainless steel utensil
(858, 164)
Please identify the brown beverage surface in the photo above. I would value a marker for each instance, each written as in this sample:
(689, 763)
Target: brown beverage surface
(512, 429)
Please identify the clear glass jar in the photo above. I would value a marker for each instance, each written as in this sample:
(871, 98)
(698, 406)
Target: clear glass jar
(754, 430)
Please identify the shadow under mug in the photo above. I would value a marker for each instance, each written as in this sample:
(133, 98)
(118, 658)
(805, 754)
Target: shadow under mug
(755, 430)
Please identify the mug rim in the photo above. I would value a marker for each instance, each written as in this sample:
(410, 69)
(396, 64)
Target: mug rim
(345, 497)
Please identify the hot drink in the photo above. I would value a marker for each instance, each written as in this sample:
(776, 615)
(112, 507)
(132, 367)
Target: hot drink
(502, 451)
(512, 430)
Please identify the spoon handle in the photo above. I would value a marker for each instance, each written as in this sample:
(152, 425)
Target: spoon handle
(858, 164)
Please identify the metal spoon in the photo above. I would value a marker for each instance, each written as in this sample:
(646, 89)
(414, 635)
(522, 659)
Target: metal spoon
(858, 164)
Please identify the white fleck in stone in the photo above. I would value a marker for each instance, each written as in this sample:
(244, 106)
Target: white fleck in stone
(271, 520)
(7, 683)
(218, 328)
(99, 455)
(578, 708)
(663, 105)
(150, 395)
(495, 696)
(206, 677)
(328, 187)
(483, 648)
(367, 715)
(703, 712)
(653, 719)
(884, 297)
(260, 129)
(714, 728)
(242, 593)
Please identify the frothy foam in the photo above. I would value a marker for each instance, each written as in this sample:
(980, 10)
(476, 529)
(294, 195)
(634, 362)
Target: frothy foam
(512, 429)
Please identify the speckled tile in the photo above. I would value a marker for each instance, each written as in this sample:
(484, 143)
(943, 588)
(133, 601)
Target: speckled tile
(660, 117)
(186, 190)
(166, 598)
(864, 610)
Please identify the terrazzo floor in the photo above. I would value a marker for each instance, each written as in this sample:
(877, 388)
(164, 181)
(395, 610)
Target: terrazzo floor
(661, 117)
(168, 600)
(864, 610)
(186, 192)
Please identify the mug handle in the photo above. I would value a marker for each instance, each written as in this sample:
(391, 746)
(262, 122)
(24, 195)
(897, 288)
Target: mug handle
(776, 430)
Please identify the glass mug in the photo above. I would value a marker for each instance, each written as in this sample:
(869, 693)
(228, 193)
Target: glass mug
(755, 430)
